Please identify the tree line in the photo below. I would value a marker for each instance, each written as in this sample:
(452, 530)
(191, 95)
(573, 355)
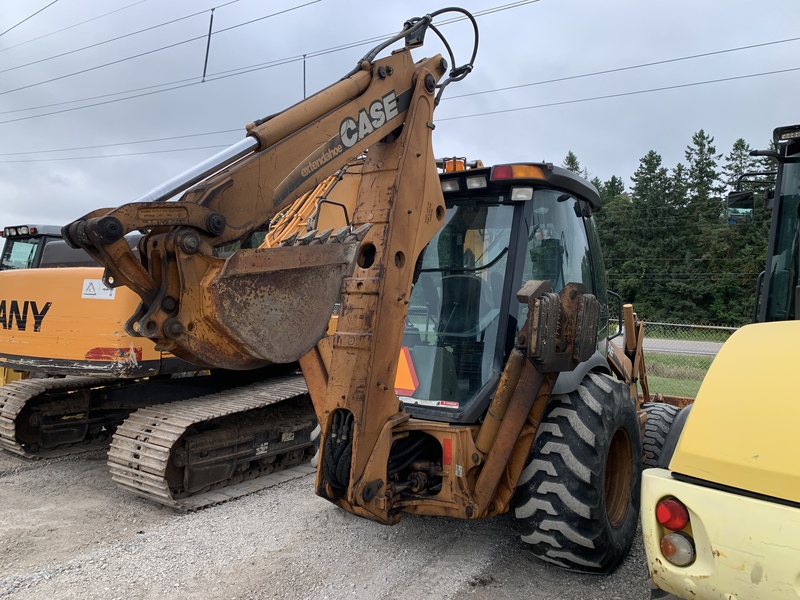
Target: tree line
(667, 243)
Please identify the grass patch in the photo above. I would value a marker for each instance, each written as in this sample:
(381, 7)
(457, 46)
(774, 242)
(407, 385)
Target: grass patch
(673, 387)
(676, 374)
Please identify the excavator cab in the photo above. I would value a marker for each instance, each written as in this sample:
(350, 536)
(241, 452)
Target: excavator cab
(503, 226)
(24, 245)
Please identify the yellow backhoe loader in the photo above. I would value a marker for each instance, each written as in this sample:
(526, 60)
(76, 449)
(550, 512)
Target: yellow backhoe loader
(467, 374)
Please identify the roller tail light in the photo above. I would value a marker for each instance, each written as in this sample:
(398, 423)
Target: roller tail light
(677, 544)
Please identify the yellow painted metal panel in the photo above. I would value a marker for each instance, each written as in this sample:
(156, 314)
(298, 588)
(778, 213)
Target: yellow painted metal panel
(746, 548)
(72, 316)
(743, 428)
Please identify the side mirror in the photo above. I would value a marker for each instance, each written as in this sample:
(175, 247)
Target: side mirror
(741, 208)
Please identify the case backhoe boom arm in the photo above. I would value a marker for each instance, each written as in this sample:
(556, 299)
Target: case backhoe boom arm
(236, 313)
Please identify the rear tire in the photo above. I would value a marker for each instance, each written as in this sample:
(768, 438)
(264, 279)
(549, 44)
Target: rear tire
(660, 417)
(577, 500)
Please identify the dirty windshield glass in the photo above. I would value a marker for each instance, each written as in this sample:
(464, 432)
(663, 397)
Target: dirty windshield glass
(18, 254)
(454, 310)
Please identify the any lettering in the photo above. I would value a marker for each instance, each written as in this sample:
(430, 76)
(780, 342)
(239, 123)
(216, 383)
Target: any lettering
(38, 316)
(10, 314)
(19, 317)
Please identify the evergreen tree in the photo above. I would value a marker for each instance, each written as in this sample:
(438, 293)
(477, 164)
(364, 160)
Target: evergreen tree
(571, 163)
(747, 243)
(738, 162)
(705, 206)
(705, 189)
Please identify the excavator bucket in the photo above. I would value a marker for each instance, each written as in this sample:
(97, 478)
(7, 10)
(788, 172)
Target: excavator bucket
(262, 306)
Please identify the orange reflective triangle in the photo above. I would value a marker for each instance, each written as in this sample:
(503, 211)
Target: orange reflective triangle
(406, 382)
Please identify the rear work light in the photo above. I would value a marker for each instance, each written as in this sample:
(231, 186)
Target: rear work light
(476, 182)
(18, 230)
(450, 185)
(521, 193)
(672, 514)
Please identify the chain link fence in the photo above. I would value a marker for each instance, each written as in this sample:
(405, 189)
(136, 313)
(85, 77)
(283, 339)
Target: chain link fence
(677, 356)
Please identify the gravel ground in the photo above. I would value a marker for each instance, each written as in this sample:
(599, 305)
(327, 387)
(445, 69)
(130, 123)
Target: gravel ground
(67, 532)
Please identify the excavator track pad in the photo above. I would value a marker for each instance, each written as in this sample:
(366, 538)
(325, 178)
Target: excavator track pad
(49, 418)
(196, 453)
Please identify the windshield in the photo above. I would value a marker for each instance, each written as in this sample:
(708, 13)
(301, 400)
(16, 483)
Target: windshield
(784, 269)
(456, 309)
(18, 253)
(452, 326)
(558, 248)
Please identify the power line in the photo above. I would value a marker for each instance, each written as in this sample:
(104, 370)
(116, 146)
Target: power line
(260, 66)
(564, 102)
(619, 95)
(26, 18)
(121, 60)
(72, 26)
(630, 67)
(163, 139)
(164, 24)
(242, 69)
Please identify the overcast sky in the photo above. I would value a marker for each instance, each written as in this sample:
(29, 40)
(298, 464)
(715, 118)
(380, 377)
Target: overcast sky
(507, 110)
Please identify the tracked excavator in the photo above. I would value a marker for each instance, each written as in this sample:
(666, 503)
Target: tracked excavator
(467, 374)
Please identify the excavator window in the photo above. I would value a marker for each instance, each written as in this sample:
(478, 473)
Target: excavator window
(19, 254)
(23, 251)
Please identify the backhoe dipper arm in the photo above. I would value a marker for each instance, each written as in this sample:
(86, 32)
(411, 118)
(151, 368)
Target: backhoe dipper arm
(271, 305)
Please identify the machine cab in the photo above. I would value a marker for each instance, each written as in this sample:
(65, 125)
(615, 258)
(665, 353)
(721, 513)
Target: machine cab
(781, 285)
(24, 245)
(504, 225)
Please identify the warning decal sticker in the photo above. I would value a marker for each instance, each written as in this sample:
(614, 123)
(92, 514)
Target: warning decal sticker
(95, 289)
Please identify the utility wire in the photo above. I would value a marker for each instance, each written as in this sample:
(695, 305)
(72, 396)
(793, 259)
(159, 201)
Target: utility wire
(282, 61)
(163, 139)
(244, 70)
(71, 26)
(115, 155)
(26, 18)
(619, 95)
(564, 102)
(630, 67)
(121, 37)
(186, 41)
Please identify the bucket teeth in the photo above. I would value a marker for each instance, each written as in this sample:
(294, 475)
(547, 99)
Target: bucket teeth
(322, 237)
(289, 241)
(306, 239)
(360, 232)
(340, 235)
(329, 236)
